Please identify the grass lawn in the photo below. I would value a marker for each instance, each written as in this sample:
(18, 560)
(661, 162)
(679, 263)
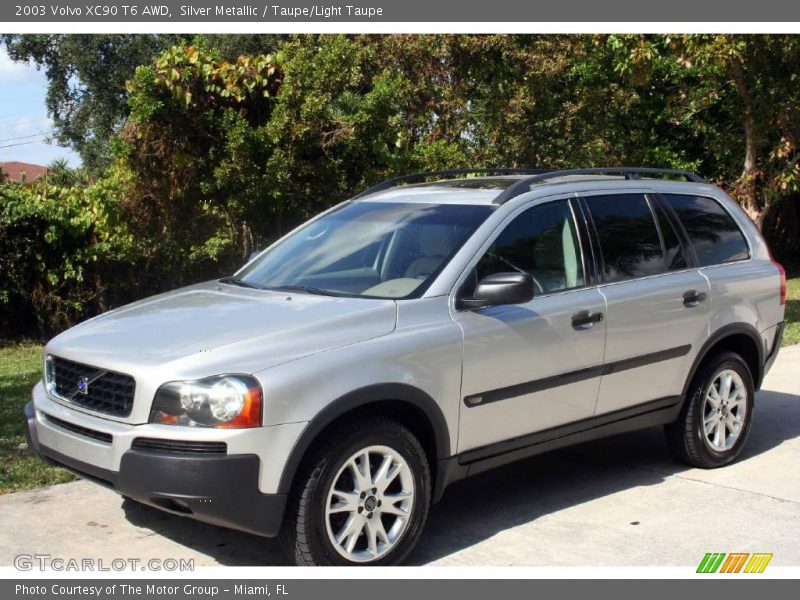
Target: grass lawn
(20, 369)
(792, 333)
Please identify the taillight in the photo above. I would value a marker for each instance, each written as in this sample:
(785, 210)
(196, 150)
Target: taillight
(782, 273)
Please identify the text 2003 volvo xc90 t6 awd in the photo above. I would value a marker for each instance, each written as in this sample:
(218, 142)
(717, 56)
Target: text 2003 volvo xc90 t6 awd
(330, 390)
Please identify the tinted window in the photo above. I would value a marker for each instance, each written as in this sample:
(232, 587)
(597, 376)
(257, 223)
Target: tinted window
(541, 241)
(629, 239)
(675, 256)
(715, 236)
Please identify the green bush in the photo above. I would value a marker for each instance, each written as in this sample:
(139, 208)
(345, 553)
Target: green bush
(60, 248)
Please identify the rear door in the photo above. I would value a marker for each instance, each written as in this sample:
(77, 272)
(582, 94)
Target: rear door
(656, 300)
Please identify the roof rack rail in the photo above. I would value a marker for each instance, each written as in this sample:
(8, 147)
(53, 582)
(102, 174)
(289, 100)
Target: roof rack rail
(523, 185)
(390, 183)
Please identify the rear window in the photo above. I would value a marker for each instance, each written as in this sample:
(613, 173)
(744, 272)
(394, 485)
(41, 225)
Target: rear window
(714, 234)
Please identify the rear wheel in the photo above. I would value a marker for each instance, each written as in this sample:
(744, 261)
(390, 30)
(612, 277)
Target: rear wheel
(716, 417)
(362, 498)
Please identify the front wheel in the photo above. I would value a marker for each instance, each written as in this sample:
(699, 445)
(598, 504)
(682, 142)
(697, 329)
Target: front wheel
(715, 420)
(361, 499)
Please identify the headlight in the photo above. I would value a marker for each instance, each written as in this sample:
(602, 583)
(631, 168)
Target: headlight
(229, 401)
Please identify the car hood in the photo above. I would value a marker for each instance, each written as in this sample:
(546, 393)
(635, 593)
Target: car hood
(212, 328)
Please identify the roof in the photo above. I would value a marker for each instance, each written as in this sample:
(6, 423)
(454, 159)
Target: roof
(506, 182)
(19, 171)
(486, 190)
(472, 190)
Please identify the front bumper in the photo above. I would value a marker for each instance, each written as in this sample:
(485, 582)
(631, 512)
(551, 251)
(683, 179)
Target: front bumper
(217, 489)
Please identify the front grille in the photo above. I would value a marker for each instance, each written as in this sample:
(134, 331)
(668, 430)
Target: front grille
(105, 391)
(84, 431)
(180, 446)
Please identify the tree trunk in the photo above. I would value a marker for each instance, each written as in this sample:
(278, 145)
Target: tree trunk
(247, 242)
(100, 293)
(748, 192)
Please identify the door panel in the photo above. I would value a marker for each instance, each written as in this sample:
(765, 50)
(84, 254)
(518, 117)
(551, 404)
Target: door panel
(652, 338)
(657, 306)
(529, 367)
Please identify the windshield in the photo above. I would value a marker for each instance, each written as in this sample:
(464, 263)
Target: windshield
(371, 249)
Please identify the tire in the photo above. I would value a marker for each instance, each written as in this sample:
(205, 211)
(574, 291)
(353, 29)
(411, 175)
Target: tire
(309, 532)
(729, 425)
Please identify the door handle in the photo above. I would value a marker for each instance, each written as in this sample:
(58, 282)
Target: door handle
(585, 319)
(693, 298)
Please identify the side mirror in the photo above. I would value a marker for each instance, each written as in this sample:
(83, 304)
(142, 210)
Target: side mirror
(498, 289)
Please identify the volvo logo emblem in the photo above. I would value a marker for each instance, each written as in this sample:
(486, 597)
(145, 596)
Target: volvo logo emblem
(83, 385)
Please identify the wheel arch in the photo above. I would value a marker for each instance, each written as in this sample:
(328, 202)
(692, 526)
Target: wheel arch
(409, 405)
(738, 337)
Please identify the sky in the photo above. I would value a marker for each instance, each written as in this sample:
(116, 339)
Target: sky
(23, 117)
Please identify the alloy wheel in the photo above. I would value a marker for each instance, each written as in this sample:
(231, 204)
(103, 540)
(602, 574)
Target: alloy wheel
(724, 410)
(369, 504)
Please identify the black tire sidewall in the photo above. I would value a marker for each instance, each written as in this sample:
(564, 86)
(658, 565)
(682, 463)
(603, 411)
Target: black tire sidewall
(734, 363)
(403, 442)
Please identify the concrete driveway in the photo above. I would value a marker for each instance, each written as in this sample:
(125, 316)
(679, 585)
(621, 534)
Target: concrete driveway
(619, 501)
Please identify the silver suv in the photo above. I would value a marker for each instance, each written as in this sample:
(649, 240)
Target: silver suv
(331, 389)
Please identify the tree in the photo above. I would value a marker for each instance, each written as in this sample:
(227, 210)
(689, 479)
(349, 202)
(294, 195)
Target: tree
(86, 74)
(60, 173)
(762, 70)
(244, 149)
(740, 96)
(345, 111)
(86, 90)
(192, 152)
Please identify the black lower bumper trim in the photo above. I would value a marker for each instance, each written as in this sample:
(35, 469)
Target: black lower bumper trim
(776, 346)
(221, 490)
(217, 489)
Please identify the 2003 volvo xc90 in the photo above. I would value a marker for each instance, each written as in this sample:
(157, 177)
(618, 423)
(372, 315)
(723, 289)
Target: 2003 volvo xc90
(420, 333)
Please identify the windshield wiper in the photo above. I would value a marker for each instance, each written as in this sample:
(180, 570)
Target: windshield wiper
(303, 289)
(240, 282)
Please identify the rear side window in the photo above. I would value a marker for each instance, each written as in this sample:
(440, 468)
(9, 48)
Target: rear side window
(629, 240)
(714, 234)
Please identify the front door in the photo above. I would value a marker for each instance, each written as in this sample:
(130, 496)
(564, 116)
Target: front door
(532, 366)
